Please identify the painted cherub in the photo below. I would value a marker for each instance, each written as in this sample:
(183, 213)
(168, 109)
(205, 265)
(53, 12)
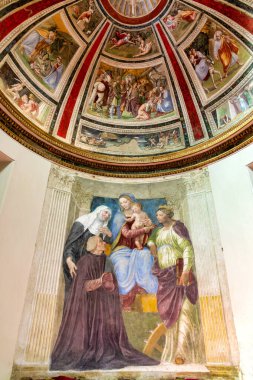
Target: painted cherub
(140, 219)
(144, 48)
(14, 89)
(85, 18)
(121, 39)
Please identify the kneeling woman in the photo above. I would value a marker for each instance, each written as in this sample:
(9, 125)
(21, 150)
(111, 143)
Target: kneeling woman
(92, 333)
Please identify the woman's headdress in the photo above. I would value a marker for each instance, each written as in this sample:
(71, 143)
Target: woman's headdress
(92, 222)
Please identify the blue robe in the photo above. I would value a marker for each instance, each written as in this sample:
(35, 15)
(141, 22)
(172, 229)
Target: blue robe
(132, 266)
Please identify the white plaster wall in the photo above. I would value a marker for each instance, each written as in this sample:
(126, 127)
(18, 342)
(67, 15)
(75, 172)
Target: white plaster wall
(19, 221)
(233, 196)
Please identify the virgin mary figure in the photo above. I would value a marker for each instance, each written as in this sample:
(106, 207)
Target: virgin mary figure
(132, 266)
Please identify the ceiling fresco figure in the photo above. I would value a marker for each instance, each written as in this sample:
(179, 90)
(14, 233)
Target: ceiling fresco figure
(180, 20)
(216, 57)
(131, 95)
(204, 68)
(226, 50)
(46, 51)
(22, 97)
(132, 44)
(86, 16)
(235, 107)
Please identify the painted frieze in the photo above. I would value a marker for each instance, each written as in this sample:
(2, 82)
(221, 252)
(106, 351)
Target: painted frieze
(111, 142)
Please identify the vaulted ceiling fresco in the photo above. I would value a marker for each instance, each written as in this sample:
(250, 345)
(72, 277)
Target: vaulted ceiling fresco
(129, 87)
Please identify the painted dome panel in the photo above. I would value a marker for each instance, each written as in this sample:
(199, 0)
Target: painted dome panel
(128, 88)
(130, 94)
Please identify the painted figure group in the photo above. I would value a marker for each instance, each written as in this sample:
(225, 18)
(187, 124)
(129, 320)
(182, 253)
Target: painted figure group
(37, 48)
(123, 38)
(222, 48)
(138, 98)
(144, 259)
(24, 99)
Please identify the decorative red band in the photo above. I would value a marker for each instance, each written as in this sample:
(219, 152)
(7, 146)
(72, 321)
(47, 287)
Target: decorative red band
(193, 115)
(68, 110)
(234, 14)
(17, 18)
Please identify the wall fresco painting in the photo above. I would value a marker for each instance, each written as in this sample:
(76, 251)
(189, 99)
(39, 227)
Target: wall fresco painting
(235, 108)
(47, 51)
(148, 143)
(86, 16)
(132, 44)
(130, 94)
(216, 57)
(24, 99)
(180, 20)
(127, 270)
(136, 284)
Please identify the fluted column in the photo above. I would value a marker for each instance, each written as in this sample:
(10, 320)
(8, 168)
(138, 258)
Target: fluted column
(48, 265)
(210, 270)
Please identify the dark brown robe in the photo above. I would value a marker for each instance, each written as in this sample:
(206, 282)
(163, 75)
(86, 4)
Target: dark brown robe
(92, 333)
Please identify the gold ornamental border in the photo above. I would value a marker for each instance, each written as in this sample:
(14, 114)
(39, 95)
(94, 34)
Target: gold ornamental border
(25, 132)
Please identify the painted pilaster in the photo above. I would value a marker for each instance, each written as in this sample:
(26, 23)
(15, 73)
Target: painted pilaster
(48, 267)
(216, 315)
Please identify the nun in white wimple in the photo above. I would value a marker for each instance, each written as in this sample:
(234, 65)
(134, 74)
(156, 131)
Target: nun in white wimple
(94, 223)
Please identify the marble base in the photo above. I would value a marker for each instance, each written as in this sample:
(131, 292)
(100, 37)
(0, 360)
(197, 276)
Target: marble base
(160, 372)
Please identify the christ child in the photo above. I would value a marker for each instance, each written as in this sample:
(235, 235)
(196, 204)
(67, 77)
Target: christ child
(140, 219)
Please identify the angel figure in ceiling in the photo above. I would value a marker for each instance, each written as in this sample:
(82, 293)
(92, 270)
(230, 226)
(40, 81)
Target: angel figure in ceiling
(121, 39)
